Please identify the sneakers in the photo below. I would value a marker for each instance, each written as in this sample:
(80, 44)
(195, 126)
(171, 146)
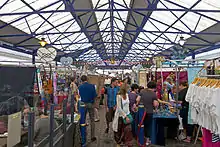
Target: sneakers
(106, 130)
(97, 120)
(93, 139)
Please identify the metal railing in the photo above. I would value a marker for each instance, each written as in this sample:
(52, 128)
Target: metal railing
(64, 133)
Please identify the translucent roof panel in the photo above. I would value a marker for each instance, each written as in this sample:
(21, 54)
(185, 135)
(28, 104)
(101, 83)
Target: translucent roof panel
(164, 32)
(59, 29)
(90, 56)
(111, 26)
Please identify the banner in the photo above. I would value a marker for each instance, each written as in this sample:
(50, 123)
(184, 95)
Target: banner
(182, 76)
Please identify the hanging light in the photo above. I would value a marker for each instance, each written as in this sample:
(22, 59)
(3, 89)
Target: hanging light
(112, 61)
(43, 42)
(182, 41)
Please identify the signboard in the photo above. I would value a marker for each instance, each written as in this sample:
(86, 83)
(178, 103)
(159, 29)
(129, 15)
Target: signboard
(14, 129)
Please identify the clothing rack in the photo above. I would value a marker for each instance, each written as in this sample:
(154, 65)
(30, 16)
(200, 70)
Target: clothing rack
(207, 76)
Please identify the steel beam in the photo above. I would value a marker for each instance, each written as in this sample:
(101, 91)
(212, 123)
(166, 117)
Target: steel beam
(103, 10)
(144, 20)
(106, 31)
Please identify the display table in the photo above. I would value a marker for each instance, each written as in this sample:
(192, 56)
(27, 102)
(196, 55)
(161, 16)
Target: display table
(158, 124)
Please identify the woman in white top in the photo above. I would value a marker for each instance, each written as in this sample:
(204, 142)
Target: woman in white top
(122, 131)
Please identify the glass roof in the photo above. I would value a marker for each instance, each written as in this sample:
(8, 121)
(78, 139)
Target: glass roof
(161, 29)
(46, 25)
(113, 21)
(182, 23)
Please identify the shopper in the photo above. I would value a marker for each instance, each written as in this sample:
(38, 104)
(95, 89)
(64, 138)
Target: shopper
(140, 89)
(134, 100)
(184, 111)
(73, 88)
(149, 100)
(96, 107)
(127, 82)
(122, 119)
(111, 94)
(88, 94)
(102, 96)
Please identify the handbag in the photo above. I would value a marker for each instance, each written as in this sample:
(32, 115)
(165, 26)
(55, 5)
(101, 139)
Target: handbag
(128, 116)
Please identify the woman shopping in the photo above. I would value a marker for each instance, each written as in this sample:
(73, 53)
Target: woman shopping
(122, 120)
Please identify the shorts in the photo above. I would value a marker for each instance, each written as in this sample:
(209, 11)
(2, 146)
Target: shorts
(110, 115)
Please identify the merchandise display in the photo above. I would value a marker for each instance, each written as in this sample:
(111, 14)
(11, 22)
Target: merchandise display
(203, 96)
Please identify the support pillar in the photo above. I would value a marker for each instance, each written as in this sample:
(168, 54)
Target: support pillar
(51, 125)
(193, 57)
(31, 129)
(64, 121)
(33, 57)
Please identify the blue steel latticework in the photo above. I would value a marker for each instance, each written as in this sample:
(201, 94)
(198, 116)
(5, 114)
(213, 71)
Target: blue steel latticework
(97, 30)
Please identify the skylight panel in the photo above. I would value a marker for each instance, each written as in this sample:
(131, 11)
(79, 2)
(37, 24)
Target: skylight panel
(99, 3)
(38, 4)
(14, 6)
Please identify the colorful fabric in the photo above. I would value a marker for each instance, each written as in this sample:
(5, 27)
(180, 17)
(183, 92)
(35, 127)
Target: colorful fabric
(74, 88)
(124, 133)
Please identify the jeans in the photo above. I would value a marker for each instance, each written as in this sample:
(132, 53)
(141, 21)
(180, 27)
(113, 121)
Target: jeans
(189, 128)
(148, 125)
(91, 110)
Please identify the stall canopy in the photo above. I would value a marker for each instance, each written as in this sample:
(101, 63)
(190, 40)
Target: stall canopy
(100, 30)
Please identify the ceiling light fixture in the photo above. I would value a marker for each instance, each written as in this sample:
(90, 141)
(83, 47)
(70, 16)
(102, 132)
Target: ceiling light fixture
(112, 61)
(182, 41)
(43, 42)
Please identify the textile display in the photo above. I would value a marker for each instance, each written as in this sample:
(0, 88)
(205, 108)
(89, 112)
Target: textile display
(204, 108)
(192, 73)
(183, 75)
(55, 100)
(17, 81)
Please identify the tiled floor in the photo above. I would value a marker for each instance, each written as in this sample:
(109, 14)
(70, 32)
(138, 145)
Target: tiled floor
(107, 140)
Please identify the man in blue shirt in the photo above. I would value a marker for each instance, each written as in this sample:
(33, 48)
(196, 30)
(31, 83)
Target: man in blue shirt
(88, 94)
(111, 95)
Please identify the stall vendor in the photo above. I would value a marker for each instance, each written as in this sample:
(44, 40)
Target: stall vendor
(168, 83)
(184, 111)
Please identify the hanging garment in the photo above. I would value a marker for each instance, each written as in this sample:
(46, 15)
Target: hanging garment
(191, 73)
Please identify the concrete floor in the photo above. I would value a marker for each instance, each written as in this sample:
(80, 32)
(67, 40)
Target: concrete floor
(107, 140)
